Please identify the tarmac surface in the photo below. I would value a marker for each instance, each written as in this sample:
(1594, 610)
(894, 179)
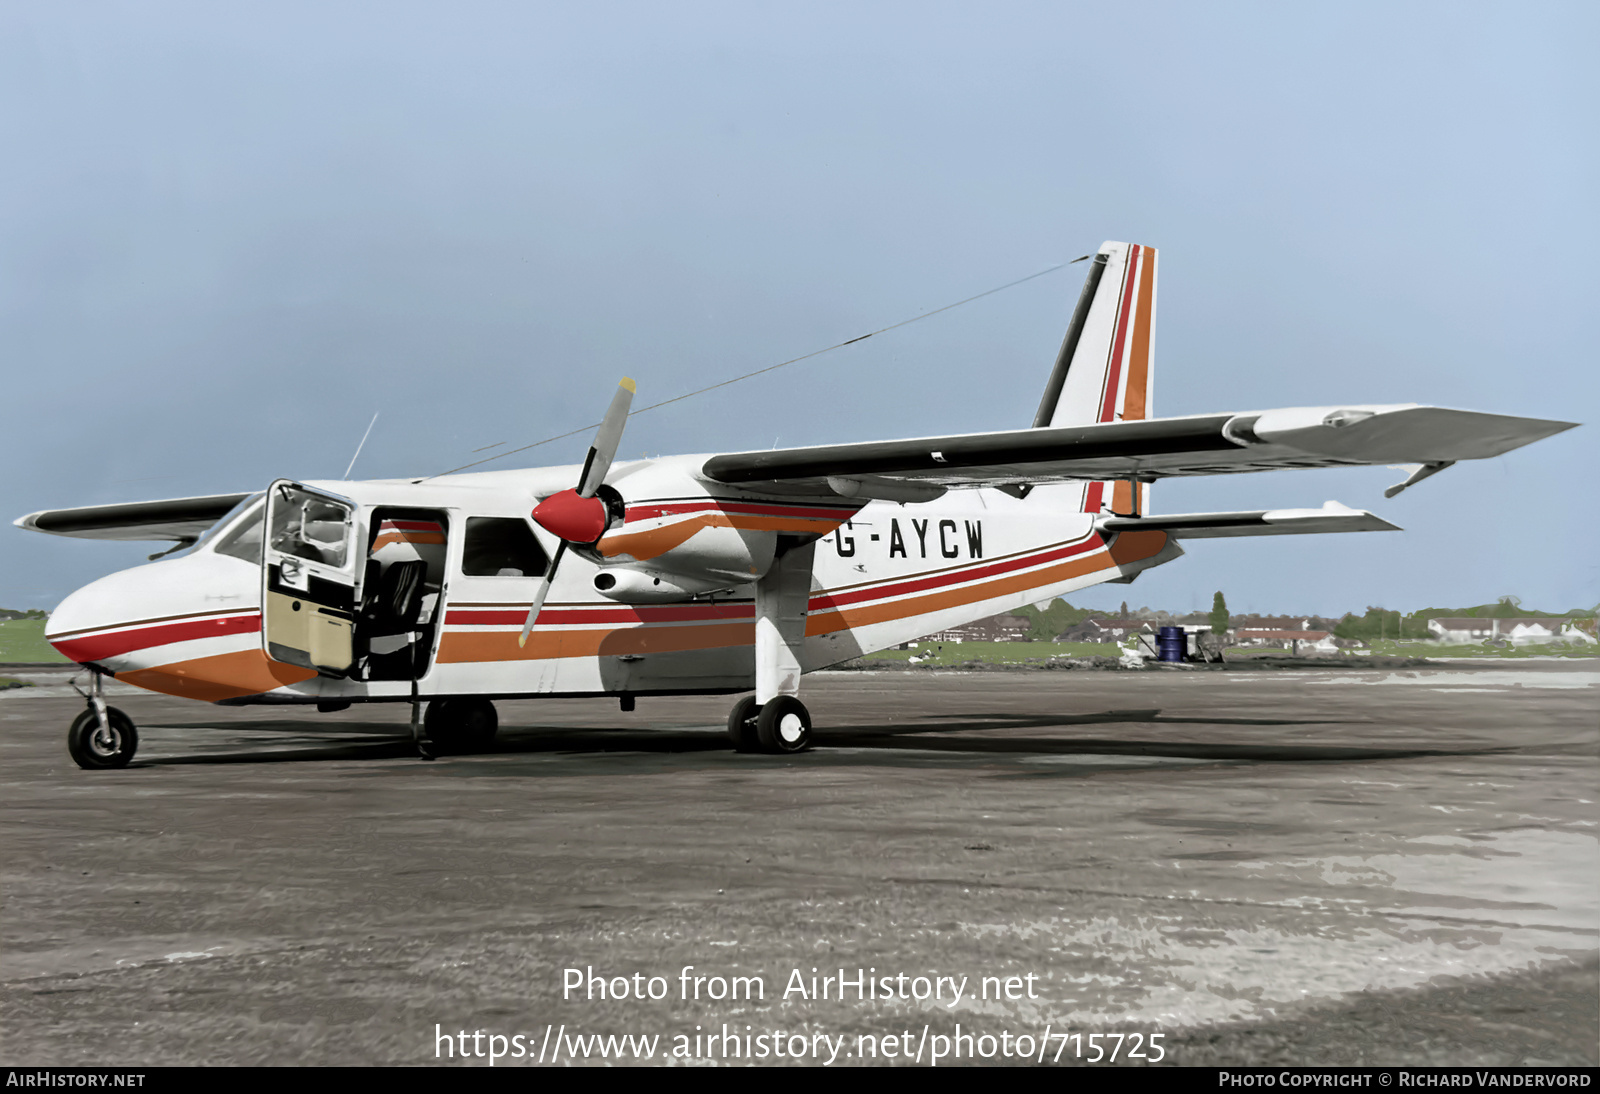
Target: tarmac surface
(1337, 866)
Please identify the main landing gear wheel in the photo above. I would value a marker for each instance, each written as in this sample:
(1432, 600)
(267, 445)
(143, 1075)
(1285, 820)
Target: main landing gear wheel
(461, 725)
(94, 747)
(784, 725)
(742, 725)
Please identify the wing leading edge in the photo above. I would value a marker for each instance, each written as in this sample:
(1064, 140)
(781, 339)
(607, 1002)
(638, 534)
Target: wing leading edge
(181, 519)
(1210, 444)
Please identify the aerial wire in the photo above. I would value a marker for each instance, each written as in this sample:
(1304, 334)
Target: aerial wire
(362, 445)
(748, 375)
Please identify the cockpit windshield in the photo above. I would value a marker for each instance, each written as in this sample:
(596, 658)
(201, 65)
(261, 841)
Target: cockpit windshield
(242, 538)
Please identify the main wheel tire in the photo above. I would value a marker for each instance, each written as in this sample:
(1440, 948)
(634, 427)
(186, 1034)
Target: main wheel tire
(742, 725)
(784, 725)
(461, 725)
(93, 748)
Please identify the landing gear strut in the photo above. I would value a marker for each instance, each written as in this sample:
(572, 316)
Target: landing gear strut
(102, 736)
(742, 724)
(774, 719)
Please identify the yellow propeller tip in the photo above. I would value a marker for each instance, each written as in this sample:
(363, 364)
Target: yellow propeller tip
(627, 382)
(522, 640)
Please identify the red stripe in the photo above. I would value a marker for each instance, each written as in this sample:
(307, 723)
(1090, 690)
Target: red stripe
(1092, 497)
(115, 644)
(955, 577)
(646, 512)
(602, 613)
(701, 612)
(1114, 378)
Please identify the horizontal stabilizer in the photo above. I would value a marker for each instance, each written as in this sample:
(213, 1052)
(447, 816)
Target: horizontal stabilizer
(173, 518)
(1332, 517)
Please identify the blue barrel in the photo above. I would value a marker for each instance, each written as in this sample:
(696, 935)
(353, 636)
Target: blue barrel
(1172, 644)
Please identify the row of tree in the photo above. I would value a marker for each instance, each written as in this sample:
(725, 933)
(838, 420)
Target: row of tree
(1377, 624)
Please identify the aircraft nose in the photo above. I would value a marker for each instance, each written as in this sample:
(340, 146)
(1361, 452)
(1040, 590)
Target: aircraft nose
(133, 617)
(89, 609)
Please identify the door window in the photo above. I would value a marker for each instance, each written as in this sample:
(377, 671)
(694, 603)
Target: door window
(311, 527)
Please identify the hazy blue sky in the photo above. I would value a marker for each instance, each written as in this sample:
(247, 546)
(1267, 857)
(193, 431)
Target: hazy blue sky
(229, 233)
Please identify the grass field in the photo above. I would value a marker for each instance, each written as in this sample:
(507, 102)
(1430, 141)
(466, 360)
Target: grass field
(938, 654)
(22, 641)
(947, 654)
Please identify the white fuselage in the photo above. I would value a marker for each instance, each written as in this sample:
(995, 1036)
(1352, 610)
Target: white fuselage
(883, 573)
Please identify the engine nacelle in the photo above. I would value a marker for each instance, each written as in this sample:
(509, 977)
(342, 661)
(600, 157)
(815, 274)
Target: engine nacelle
(706, 547)
(679, 537)
(644, 587)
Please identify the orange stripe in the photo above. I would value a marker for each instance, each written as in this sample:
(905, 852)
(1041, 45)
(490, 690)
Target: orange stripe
(1126, 548)
(1137, 546)
(1122, 497)
(221, 676)
(656, 542)
(251, 672)
(459, 647)
(850, 618)
(406, 537)
(456, 647)
(1135, 401)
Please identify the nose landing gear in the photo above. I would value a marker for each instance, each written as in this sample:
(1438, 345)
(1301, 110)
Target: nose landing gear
(102, 736)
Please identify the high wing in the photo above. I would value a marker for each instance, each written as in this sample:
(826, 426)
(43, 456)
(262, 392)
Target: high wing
(1156, 448)
(181, 519)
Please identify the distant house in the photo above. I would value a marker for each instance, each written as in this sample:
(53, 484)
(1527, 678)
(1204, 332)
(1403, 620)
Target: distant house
(1320, 641)
(1526, 631)
(997, 628)
(1281, 623)
(1106, 629)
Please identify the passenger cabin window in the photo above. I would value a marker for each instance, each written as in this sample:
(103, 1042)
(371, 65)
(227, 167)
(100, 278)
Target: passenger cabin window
(243, 540)
(501, 547)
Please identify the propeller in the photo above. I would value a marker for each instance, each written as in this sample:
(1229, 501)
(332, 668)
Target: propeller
(578, 516)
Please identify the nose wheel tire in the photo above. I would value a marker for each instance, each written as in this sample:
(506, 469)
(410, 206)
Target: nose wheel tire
(784, 725)
(94, 747)
(461, 725)
(742, 725)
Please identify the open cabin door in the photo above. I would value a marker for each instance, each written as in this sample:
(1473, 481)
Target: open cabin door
(309, 573)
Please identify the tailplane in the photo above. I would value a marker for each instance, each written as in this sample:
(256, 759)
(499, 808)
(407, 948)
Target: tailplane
(1105, 371)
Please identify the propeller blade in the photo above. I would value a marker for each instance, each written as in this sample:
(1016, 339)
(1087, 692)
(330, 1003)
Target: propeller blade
(538, 597)
(604, 449)
(575, 516)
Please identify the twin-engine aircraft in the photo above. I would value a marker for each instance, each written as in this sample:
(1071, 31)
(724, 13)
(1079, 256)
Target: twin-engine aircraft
(709, 574)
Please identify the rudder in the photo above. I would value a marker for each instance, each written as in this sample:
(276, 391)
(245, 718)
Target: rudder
(1105, 370)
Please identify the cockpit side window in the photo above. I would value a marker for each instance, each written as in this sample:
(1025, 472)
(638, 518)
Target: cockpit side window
(243, 540)
(310, 527)
(501, 547)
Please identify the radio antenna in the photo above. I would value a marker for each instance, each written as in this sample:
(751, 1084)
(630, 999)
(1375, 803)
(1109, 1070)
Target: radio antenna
(362, 445)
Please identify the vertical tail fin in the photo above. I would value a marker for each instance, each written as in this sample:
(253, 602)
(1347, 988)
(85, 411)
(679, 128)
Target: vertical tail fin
(1105, 371)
